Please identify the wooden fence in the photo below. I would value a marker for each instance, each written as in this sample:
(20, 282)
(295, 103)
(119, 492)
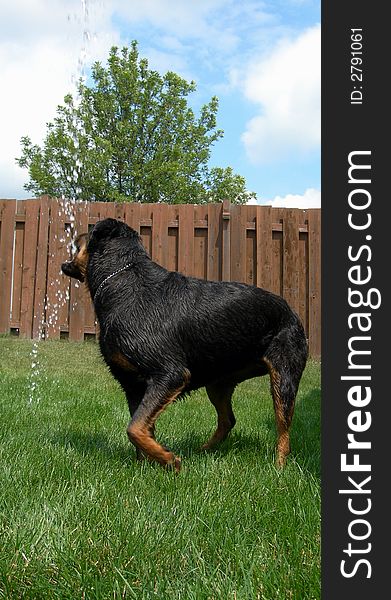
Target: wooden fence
(274, 248)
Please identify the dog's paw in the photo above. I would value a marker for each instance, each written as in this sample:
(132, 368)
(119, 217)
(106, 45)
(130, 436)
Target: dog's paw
(174, 464)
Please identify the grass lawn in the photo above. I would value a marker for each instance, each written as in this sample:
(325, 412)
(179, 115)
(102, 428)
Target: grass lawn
(80, 518)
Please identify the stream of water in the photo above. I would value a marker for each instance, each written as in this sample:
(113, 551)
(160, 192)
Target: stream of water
(67, 208)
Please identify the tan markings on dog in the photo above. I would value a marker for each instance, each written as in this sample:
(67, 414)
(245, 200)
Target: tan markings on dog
(140, 433)
(81, 258)
(121, 361)
(283, 443)
(170, 399)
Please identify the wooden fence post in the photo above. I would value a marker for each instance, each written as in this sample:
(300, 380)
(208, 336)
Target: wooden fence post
(78, 291)
(186, 239)
(226, 241)
(314, 292)
(30, 249)
(7, 209)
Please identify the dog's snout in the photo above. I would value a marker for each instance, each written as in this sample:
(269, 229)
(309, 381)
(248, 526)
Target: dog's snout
(66, 268)
(70, 269)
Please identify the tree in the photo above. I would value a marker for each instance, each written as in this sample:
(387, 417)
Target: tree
(131, 136)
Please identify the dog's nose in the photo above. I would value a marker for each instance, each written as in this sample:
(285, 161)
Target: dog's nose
(71, 270)
(65, 268)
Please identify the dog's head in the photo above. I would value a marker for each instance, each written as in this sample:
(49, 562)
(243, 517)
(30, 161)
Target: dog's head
(77, 267)
(93, 244)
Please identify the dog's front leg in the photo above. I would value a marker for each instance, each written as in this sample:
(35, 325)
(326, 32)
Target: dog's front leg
(159, 394)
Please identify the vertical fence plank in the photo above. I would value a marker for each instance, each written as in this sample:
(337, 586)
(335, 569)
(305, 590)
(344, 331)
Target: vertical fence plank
(120, 211)
(290, 258)
(159, 234)
(132, 215)
(303, 272)
(226, 240)
(186, 239)
(238, 243)
(8, 209)
(90, 321)
(29, 263)
(17, 267)
(277, 252)
(314, 295)
(78, 290)
(214, 242)
(251, 245)
(54, 279)
(39, 324)
(264, 237)
(172, 237)
(146, 229)
(200, 260)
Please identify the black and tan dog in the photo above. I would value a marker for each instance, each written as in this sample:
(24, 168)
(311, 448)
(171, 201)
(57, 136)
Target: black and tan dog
(163, 334)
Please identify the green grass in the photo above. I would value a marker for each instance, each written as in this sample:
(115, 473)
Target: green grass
(80, 518)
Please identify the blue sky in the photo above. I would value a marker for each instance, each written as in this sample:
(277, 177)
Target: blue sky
(262, 59)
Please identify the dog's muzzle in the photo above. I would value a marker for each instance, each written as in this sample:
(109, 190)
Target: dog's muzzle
(68, 268)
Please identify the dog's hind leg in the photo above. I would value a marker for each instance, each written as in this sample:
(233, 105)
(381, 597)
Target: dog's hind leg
(283, 391)
(220, 396)
(159, 394)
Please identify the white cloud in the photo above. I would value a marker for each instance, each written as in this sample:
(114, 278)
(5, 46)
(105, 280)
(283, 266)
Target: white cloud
(44, 47)
(286, 85)
(310, 199)
(215, 28)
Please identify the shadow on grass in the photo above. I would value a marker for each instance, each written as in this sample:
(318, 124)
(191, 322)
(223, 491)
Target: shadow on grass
(305, 437)
(94, 443)
(306, 433)
(305, 440)
(100, 444)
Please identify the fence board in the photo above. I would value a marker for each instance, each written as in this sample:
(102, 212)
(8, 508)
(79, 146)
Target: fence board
(55, 281)
(291, 258)
(238, 244)
(39, 325)
(200, 263)
(276, 278)
(251, 245)
(78, 291)
(172, 237)
(226, 242)
(214, 242)
(146, 230)
(277, 249)
(264, 237)
(314, 292)
(303, 279)
(29, 264)
(186, 239)
(7, 210)
(132, 215)
(159, 234)
(17, 274)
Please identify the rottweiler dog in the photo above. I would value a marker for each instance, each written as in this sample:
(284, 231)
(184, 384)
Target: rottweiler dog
(163, 334)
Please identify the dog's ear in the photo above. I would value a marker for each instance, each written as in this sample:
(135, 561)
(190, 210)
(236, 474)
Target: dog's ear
(108, 228)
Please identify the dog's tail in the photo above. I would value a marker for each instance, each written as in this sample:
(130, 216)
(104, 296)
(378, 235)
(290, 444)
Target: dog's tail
(285, 359)
(287, 354)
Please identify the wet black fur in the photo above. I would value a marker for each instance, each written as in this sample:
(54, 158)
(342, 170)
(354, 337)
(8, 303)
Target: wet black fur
(182, 332)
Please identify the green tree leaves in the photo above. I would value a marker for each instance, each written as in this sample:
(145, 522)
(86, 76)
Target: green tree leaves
(131, 136)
